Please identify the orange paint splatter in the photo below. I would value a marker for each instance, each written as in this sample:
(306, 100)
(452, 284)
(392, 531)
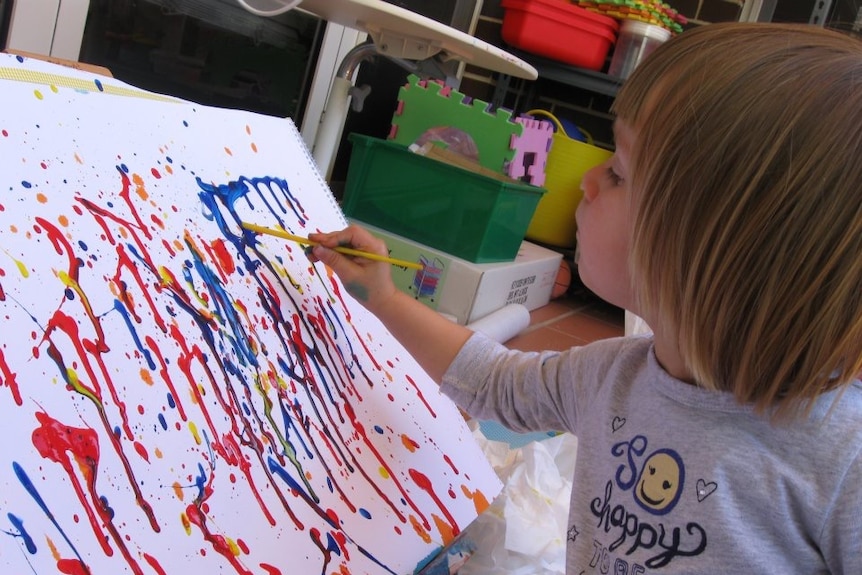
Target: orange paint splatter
(445, 530)
(420, 531)
(227, 150)
(409, 443)
(41, 198)
(480, 502)
(139, 187)
(146, 376)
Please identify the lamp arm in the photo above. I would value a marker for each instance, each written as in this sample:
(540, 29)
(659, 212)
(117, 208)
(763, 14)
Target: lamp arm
(289, 5)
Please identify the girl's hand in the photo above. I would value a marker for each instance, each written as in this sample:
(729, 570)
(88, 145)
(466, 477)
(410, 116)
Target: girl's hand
(369, 281)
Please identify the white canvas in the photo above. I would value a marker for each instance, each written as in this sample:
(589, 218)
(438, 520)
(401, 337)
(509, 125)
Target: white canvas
(178, 393)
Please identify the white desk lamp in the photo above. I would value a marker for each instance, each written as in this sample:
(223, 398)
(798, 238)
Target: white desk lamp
(396, 33)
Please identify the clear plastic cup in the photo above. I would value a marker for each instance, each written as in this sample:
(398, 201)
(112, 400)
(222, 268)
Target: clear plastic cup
(635, 42)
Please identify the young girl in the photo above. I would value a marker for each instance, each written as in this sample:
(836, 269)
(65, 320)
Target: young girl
(730, 219)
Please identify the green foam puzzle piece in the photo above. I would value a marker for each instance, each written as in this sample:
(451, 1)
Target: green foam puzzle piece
(425, 105)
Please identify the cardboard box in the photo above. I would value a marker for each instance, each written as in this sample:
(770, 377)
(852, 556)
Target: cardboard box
(470, 291)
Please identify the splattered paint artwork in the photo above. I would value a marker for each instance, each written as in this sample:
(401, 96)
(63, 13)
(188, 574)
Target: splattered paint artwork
(178, 393)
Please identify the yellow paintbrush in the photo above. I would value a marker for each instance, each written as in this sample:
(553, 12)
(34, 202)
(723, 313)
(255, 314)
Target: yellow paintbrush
(341, 249)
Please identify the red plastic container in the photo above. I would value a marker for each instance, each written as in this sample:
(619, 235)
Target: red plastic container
(559, 30)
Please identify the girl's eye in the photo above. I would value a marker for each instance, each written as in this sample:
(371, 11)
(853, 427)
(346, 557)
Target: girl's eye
(615, 178)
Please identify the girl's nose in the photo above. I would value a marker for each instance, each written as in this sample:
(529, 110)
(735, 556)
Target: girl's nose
(589, 183)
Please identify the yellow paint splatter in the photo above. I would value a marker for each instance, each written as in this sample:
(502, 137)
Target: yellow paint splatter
(165, 275)
(22, 269)
(383, 472)
(194, 429)
(55, 89)
(234, 548)
(187, 525)
(38, 95)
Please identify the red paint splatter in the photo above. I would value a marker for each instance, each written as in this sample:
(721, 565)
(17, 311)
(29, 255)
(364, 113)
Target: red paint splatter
(72, 567)
(422, 482)
(222, 257)
(154, 564)
(142, 451)
(54, 441)
(448, 460)
(9, 379)
(218, 542)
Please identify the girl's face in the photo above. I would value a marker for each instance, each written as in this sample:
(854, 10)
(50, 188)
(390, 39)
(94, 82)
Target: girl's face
(605, 218)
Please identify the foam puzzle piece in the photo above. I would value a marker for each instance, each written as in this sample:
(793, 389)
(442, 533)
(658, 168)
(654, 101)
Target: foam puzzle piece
(424, 105)
(531, 151)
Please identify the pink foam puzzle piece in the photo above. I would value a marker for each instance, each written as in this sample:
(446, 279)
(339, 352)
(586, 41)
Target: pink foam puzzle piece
(531, 150)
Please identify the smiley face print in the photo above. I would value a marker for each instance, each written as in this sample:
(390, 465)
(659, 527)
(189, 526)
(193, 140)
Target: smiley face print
(661, 481)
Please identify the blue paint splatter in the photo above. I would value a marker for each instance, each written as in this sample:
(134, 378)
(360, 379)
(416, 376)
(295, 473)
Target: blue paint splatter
(18, 524)
(34, 493)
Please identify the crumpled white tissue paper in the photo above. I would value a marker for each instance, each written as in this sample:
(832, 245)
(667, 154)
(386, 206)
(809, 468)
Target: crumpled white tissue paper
(523, 532)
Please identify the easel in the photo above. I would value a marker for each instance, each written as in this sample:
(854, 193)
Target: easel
(400, 35)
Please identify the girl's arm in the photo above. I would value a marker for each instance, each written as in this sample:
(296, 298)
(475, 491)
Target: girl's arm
(430, 338)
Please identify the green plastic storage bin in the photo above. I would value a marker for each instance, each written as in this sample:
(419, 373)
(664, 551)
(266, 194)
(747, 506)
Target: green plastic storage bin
(465, 214)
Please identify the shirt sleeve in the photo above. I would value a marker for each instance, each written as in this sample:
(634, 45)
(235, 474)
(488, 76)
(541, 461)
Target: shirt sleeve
(525, 391)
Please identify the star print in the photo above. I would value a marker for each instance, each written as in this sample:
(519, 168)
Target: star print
(573, 533)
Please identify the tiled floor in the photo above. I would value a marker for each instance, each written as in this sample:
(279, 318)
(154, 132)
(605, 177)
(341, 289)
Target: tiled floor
(577, 318)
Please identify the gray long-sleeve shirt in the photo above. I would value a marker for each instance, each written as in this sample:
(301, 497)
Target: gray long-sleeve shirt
(671, 478)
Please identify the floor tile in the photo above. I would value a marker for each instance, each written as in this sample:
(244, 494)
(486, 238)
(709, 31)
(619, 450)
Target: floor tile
(576, 319)
(586, 327)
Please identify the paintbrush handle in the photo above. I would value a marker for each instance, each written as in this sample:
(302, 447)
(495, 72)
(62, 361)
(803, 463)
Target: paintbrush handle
(341, 249)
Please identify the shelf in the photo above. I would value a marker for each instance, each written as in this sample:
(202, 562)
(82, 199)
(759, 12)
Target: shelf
(570, 75)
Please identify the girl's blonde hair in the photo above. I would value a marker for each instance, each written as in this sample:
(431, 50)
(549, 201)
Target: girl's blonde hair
(747, 178)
